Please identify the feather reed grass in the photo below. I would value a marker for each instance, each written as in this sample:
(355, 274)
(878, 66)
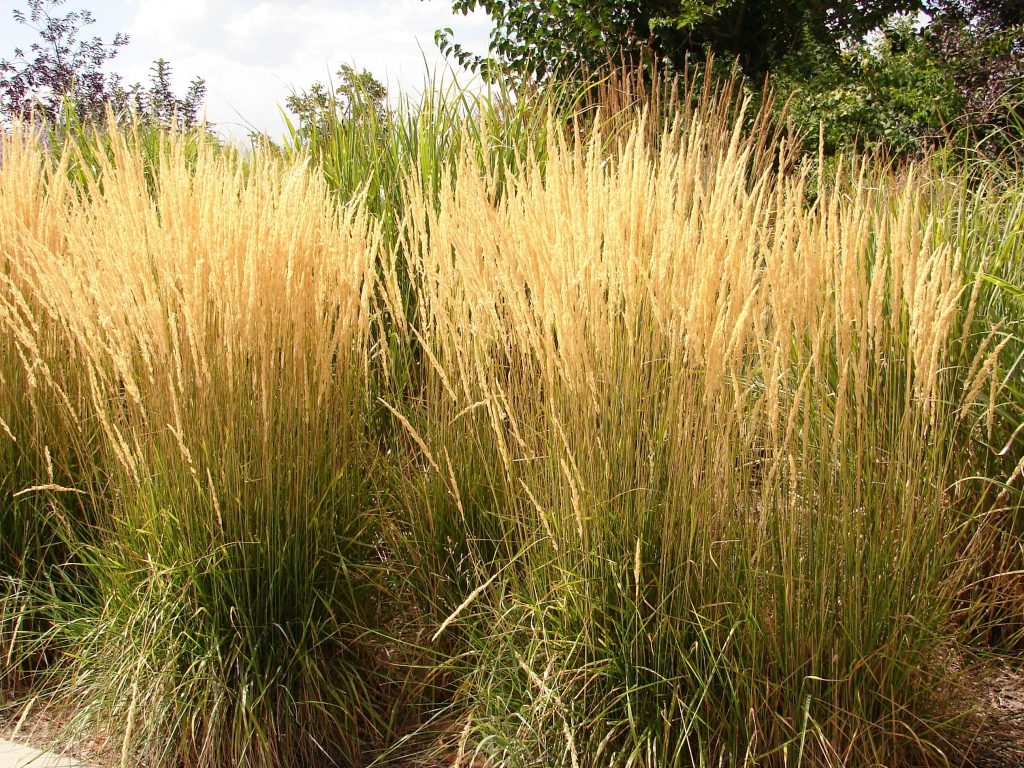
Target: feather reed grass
(599, 435)
(687, 445)
(215, 317)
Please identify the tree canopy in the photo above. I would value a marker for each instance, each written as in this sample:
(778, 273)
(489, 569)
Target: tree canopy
(553, 37)
(896, 72)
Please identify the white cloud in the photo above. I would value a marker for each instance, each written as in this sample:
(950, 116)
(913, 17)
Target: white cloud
(253, 52)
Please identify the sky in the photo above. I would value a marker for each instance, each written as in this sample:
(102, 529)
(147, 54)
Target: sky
(254, 53)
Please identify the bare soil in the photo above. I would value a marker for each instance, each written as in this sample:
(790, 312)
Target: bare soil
(999, 741)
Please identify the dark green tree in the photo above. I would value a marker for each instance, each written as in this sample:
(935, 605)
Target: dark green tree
(886, 90)
(915, 81)
(554, 37)
(898, 73)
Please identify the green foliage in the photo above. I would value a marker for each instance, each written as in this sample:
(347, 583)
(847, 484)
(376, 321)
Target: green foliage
(549, 40)
(358, 97)
(911, 84)
(980, 44)
(559, 39)
(888, 91)
(865, 72)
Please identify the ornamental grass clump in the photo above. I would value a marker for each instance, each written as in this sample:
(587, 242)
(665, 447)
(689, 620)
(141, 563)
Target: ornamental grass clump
(499, 434)
(980, 211)
(216, 315)
(683, 447)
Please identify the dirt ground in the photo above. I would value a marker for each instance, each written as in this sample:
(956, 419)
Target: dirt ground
(37, 725)
(999, 742)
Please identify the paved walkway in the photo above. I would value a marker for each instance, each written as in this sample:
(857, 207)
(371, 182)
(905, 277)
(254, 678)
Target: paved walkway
(19, 756)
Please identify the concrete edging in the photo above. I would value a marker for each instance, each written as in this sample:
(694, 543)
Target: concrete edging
(13, 755)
